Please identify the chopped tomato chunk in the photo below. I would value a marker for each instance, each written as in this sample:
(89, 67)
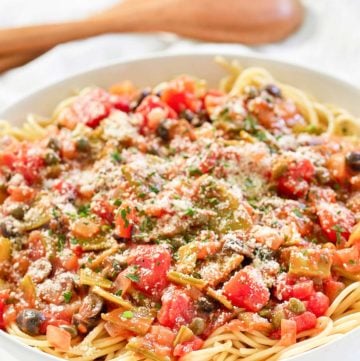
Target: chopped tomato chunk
(247, 289)
(294, 182)
(188, 346)
(150, 265)
(288, 332)
(58, 338)
(336, 221)
(305, 321)
(318, 304)
(177, 308)
(333, 288)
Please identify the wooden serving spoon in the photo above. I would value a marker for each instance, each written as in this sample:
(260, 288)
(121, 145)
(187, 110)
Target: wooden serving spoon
(239, 21)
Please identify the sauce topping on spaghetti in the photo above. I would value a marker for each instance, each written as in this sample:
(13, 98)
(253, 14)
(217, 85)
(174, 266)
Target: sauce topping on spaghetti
(166, 214)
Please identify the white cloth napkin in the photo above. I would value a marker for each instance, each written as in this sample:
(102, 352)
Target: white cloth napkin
(329, 41)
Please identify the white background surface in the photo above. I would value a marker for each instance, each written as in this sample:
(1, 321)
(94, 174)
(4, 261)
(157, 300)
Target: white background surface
(329, 40)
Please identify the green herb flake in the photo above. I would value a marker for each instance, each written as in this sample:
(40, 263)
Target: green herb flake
(194, 171)
(84, 210)
(297, 213)
(67, 296)
(61, 242)
(127, 314)
(154, 189)
(190, 212)
(134, 277)
(116, 157)
(117, 202)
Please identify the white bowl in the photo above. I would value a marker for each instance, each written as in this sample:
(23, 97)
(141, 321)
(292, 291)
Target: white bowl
(154, 69)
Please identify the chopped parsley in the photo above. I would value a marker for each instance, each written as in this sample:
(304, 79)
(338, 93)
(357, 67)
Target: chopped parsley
(84, 210)
(154, 189)
(193, 171)
(127, 314)
(61, 242)
(190, 212)
(338, 230)
(116, 157)
(117, 202)
(118, 293)
(297, 213)
(67, 296)
(134, 276)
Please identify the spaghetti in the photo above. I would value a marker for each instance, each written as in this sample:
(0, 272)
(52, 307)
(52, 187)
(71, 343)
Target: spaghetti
(182, 223)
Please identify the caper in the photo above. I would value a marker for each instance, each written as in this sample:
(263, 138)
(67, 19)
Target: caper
(51, 158)
(53, 144)
(296, 306)
(29, 321)
(82, 145)
(197, 325)
(18, 212)
(353, 161)
(273, 90)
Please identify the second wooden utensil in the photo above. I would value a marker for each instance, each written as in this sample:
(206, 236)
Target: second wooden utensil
(243, 21)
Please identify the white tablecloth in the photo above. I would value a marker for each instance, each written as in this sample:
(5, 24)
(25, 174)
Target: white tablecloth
(329, 40)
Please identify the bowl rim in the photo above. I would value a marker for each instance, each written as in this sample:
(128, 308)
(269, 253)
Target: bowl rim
(166, 55)
(175, 54)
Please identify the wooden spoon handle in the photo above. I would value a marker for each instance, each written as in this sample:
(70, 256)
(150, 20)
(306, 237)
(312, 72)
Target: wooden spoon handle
(11, 61)
(41, 37)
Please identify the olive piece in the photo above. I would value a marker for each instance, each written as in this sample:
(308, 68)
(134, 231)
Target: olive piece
(353, 161)
(18, 212)
(54, 144)
(273, 90)
(82, 145)
(205, 305)
(29, 321)
(141, 97)
(187, 114)
(89, 313)
(51, 158)
(7, 228)
(71, 329)
(162, 131)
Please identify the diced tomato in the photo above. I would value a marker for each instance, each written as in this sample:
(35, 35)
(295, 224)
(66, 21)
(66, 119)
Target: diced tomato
(180, 95)
(305, 321)
(85, 228)
(150, 103)
(21, 194)
(124, 221)
(78, 250)
(65, 188)
(348, 258)
(177, 308)
(336, 221)
(247, 289)
(71, 262)
(287, 287)
(68, 149)
(294, 182)
(122, 283)
(36, 246)
(186, 347)
(337, 167)
(208, 162)
(303, 290)
(318, 304)
(333, 288)
(159, 340)
(58, 338)
(355, 235)
(92, 107)
(317, 194)
(213, 99)
(152, 264)
(104, 209)
(115, 330)
(2, 311)
(288, 332)
(24, 160)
